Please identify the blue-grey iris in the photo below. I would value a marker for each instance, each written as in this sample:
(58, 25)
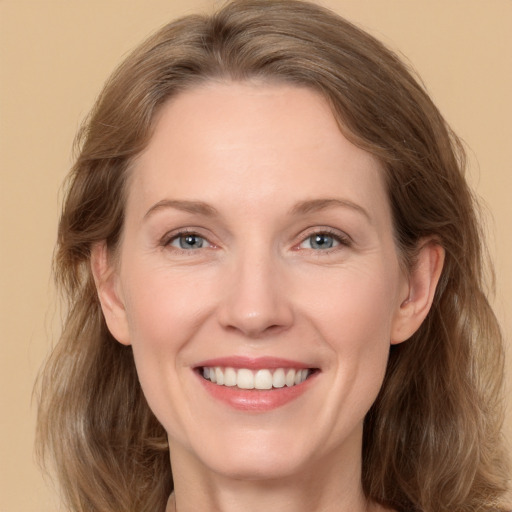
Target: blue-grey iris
(321, 241)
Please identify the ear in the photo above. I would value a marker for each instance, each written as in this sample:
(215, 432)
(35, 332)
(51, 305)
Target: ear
(422, 283)
(107, 287)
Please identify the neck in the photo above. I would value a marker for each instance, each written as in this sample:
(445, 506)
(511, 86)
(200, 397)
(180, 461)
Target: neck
(321, 486)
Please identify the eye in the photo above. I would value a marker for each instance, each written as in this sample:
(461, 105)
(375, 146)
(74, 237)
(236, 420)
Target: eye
(187, 241)
(322, 241)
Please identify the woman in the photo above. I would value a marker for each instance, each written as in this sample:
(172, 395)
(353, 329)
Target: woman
(275, 278)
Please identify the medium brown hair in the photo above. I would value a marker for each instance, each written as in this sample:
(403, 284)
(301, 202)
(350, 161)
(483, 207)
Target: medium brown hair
(432, 439)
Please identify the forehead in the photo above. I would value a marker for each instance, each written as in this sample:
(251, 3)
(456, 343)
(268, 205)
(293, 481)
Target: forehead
(261, 140)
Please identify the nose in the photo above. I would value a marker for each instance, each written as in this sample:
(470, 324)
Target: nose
(255, 301)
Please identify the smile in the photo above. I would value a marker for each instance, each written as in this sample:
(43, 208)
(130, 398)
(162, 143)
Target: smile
(263, 379)
(256, 385)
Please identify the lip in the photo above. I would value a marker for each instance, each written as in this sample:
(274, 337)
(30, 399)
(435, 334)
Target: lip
(253, 363)
(255, 400)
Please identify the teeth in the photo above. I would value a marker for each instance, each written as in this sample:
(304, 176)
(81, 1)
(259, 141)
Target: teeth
(263, 379)
(290, 378)
(230, 377)
(278, 379)
(244, 378)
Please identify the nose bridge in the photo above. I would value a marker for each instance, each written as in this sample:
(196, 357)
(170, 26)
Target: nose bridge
(255, 302)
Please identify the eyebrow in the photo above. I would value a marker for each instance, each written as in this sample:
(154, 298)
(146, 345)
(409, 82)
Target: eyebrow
(314, 205)
(301, 208)
(197, 207)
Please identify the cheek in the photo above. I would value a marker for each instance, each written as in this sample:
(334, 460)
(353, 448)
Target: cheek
(153, 326)
(164, 305)
(365, 328)
(163, 314)
(357, 307)
(355, 319)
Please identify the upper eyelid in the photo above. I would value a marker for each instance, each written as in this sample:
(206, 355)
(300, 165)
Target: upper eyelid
(168, 237)
(324, 230)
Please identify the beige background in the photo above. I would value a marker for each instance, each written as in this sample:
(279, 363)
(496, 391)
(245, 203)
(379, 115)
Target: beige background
(54, 57)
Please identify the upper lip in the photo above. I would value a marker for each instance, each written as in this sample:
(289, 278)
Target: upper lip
(253, 363)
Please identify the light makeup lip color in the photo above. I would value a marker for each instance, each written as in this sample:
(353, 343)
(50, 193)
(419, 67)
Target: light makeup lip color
(254, 400)
(253, 363)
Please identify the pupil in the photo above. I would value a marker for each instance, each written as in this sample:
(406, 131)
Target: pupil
(322, 241)
(190, 241)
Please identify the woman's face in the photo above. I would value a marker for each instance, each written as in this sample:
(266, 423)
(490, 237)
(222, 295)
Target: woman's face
(257, 247)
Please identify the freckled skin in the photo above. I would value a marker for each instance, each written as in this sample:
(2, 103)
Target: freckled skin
(259, 285)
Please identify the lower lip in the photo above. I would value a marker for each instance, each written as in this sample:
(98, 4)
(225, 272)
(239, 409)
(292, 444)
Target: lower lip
(256, 400)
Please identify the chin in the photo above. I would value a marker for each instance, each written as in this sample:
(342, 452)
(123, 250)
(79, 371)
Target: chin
(248, 454)
(261, 466)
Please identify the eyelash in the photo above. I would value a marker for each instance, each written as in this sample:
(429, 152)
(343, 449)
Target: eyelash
(167, 240)
(342, 240)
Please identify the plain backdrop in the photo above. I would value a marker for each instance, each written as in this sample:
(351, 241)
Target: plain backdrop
(55, 56)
